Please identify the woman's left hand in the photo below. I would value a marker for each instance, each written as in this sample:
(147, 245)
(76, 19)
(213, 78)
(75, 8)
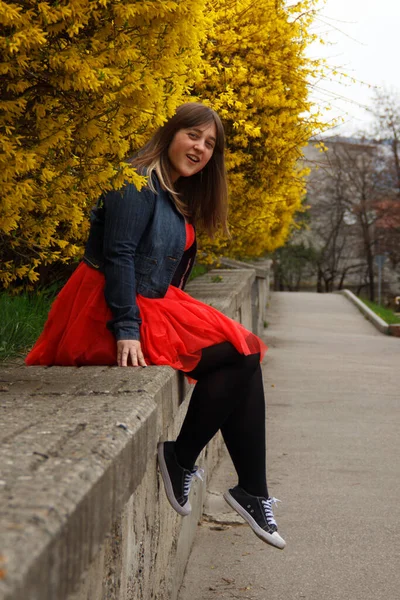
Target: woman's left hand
(130, 351)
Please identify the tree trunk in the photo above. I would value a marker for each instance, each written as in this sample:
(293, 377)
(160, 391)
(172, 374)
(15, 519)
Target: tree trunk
(371, 276)
(319, 282)
(276, 269)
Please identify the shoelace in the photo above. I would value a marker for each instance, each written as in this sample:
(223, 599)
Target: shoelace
(196, 472)
(267, 505)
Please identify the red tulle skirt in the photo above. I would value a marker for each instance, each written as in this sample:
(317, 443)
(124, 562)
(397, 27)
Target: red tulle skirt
(173, 332)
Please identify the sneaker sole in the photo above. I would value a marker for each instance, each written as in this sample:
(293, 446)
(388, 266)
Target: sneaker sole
(184, 510)
(274, 539)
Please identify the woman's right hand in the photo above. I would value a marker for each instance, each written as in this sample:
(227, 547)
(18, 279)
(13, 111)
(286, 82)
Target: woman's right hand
(130, 351)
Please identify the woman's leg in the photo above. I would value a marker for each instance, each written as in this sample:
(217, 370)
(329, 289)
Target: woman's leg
(229, 396)
(244, 436)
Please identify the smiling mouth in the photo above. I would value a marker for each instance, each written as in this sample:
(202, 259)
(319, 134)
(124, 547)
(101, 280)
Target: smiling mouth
(192, 158)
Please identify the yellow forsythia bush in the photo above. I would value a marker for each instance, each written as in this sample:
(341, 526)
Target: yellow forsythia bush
(83, 84)
(257, 76)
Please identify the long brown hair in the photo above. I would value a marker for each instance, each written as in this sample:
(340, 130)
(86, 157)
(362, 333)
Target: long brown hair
(203, 197)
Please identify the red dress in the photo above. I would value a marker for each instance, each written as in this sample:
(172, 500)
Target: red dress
(173, 332)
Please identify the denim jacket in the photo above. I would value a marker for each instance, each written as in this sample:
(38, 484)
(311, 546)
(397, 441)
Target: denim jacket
(137, 240)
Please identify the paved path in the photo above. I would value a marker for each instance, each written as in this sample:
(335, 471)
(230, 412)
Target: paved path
(333, 391)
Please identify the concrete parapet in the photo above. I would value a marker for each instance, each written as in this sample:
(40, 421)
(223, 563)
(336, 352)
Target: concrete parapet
(260, 290)
(84, 514)
(367, 312)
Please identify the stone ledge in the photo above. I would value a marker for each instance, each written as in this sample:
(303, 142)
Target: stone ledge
(259, 290)
(262, 268)
(80, 493)
(369, 314)
(69, 474)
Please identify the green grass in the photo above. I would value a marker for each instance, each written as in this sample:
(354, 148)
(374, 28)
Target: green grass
(22, 320)
(197, 271)
(384, 313)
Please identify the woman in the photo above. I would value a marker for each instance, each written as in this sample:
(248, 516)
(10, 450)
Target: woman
(125, 305)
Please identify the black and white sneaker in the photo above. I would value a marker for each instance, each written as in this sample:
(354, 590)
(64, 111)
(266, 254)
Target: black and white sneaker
(257, 511)
(177, 480)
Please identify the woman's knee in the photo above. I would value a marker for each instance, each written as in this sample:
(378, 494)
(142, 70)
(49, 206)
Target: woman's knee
(252, 362)
(216, 357)
(225, 355)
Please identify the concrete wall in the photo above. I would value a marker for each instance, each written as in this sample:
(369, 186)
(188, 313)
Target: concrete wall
(369, 314)
(84, 514)
(260, 288)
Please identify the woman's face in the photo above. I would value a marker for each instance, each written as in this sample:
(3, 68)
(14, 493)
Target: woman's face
(191, 149)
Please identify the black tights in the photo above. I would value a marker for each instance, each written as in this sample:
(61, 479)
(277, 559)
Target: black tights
(229, 396)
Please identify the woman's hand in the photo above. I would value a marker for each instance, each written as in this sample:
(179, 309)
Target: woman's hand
(130, 351)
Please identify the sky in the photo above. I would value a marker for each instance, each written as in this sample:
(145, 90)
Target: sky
(363, 38)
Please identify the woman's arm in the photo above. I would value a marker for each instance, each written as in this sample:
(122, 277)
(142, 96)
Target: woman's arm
(127, 214)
